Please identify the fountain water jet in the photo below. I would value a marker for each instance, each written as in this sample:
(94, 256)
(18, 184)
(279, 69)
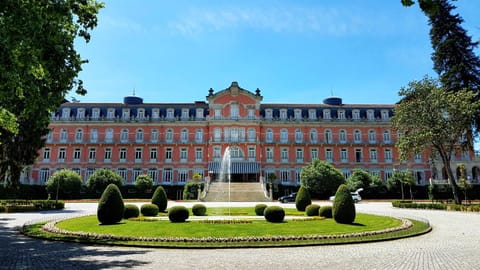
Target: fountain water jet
(225, 173)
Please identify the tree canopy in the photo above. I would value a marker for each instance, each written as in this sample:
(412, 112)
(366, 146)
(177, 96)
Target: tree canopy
(64, 182)
(100, 179)
(38, 66)
(431, 119)
(320, 177)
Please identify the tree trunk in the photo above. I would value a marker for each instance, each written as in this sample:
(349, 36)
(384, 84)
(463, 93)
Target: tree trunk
(451, 179)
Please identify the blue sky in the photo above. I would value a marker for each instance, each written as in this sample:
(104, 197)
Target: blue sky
(295, 51)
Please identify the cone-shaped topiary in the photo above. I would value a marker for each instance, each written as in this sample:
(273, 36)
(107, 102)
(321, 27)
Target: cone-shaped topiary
(312, 210)
(149, 210)
(274, 214)
(260, 208)
(325, 211)
(199, 209)
(343, 208)
(178, 214)
(160, 199)
(303, 199)
(110, 207)
(131, 211)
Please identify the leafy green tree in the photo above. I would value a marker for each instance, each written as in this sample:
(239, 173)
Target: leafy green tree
(431, 119)
(8, 122)
(38, 66)
(100, 179)
(359, 179)
(144, 182)
(463, 183)
(401, 179)
(64, 182)
(321, 177)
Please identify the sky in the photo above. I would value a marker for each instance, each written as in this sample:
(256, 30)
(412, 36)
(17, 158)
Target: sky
(294, 51)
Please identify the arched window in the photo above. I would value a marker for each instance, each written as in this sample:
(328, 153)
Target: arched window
(357, 136)
(184, 135)
(154, 135)
(124, 135)
(169, 135)
(298, 136)
(79, 135)
(386, 136)
(313, 136)
(251, 135)
(342, 137)
(109, 135)
(284, 136)
(328, 136)
(139, 135)
(93, 135)
(199, 135)
(63, 135)
(372, 136)
(269, 136)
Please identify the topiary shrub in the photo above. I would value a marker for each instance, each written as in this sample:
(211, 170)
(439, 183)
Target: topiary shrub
(159, 198)
(110, 207)
(343, 209)
(149, 210)
(101, 178)
(260, 208)
(190, 190)
(325, 211)
(312, 210)
(131, 211)
(274, 214)
(303, 199)
(199, 210)
(178, 214)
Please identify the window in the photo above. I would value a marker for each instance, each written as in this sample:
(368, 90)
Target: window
(80, 113)
(234, 134)
(183, 175)
(326, 114)
(141, 114)
(373, 155)
(217, 134)
(183, 155)
(124, 135)
(107, 155)
(63, 135)
(169, 136)
(418, 158)
(153, 172)
(155, 114)
(235, 153)
(251, 153)
(251, 135)
(298, 114)
(154, 135)
(370, 115)
(268, 114)
(299, 155)
(184, 135)
(168, 175)
(388, 173)
(153, 154)
(79, 135)
(92, 155)
(312, 114)
(298, 171)
(138, 154)
(386, 136)
(136, 173)
(76, 154)
(50, 136)
(269, 154)
(341, 115)
(199, 135)
(251, 114)
(168, 154)
(234, 111)
(198, 154)
(385, 116)
(358, 155)
(93, 135)
(139, 136)
(313, 136)
(61, 154)
(313, 153)
(285, 175)
(388, 155)
(283, 114)
(217, 152)
(298, 136)
(46, 154)
(123, 154)
(110, 114)
(283, 136)
(344, 155)
(329, 154)
(199, 113)
(284, 155)
(44, 174)
(328, 136)
(269, 136)
(123, 173)
(65, 113)
(170, 114)
(342, 136)
(357, 136)
(126, 114)
(109, 135)
(217, 114)
(356, 115)
(185, 114)
(372, 137)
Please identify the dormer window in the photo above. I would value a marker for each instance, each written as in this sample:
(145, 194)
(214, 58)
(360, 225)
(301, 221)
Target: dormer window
(95, 113)
(326, 114)
(341, 114)
(81, 113)
(170, 114)
(110, 113)
(385, 116)
(185, 113)
(298, 114)
(356, 115)
(155, 114)
(140, 113)
(126, 114)
(312, 115)
(199, 113)
(65, 113)
(283, 114)
(370, 115)
(269, 114)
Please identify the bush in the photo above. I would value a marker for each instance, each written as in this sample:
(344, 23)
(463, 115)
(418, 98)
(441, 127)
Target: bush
(100, 179)
(312, 210)
(110, 207)
(149, 210)
(274, 214)
(190, 190)
(130, 211)
(159, 198)
(260, 208)
(178, 214)
(65, 182)
(325, 211)
(143, 182)
(343, 208)
(199, 210)
(303, 199)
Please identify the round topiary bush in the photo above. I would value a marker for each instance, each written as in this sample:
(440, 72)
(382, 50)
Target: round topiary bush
(199, 210)
(325, 211)
(343, 209)
(260, 208)
(178, 214)
(274, 214)
(159, 198)
(110, 207)
(149, 210)
(312, 210)
(131, 211)
(303, 199)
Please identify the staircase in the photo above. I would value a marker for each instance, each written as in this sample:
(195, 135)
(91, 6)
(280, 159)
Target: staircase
(239, 192)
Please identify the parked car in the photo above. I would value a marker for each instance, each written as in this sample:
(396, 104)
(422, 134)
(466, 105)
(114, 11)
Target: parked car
(288, 198)
(355, 196)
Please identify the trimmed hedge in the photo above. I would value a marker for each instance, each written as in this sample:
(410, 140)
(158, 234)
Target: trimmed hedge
(159, 198)
(149, 210)
(12, 206)
(312, 210)
(131, 211)
(199, 210)
(343, 208)
(436, 206)
(178, 214)
(303, 199)
(260, 209)
(274, 214)
(325, 211)
(110, 207)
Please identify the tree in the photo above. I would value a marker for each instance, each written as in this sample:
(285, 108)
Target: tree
(143, 182)
(463, 182)
(38, 66)
(64, 181)
(358, 179)
(8, 122)
(100, 179)
(431, 119)
(321, 177)
(453, 55)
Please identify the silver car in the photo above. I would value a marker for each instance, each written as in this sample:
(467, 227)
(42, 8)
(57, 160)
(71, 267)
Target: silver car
(355, 196)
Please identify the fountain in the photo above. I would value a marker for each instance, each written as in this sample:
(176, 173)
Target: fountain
(225, 173)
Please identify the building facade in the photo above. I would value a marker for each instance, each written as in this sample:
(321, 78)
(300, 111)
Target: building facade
(173, 141)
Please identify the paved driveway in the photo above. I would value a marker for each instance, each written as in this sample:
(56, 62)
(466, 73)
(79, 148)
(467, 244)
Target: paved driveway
(454, 243)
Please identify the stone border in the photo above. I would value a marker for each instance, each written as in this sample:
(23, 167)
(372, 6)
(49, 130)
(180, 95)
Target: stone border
(51, 227)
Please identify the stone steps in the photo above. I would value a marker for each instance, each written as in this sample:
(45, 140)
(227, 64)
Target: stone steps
(239, 192)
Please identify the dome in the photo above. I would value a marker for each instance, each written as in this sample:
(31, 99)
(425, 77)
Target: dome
(132, 100)
(333, 101)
